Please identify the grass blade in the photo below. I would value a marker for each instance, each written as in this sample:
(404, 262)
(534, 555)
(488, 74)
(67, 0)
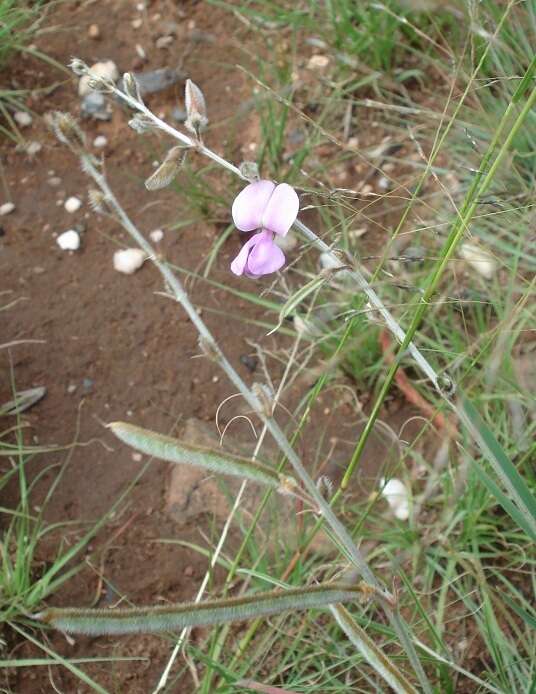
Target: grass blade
(505, 470)
(372, 654)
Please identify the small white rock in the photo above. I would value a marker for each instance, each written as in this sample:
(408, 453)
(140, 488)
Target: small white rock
(479, 259)
(396, 495)
(136, 23)
(33, 148)
(129, 260)
(23, 119)
(73, 204)
(156, 236)
(6, 208)
(69, 240)
(318, 62)
(106, 69)
(100, 141)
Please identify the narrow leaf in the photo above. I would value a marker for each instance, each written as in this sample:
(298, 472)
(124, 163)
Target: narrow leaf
(22, 401)
(175, 451)
(505, 470)
(141, 620)
(372, 654)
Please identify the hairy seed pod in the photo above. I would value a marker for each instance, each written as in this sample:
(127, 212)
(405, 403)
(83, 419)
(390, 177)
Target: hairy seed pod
(131, 87)
(167, 170)
(196, 108)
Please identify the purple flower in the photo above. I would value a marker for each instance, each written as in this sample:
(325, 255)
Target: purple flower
(272, 209)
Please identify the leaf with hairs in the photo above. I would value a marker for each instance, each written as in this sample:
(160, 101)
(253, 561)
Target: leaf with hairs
(145, 620)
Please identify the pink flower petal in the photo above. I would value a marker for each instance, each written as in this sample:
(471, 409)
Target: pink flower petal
(239, 264)
(250, 203)
(281, 210)
(265, 257)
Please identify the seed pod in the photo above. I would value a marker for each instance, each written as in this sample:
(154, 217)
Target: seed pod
(131, 87)
(167, 170)
(196, 108)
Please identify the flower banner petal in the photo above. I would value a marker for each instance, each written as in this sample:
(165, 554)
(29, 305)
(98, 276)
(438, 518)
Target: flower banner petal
(281, 210)
(250, 203)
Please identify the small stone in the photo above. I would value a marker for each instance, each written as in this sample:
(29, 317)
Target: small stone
(93, 32)
(100, 141)
(128, 261)
(87, 384)
(384, 183)
(6, 208)
(54, 181)
(189, 571)
(156, 236)
(136, 23)
(249, 362)
(23, 119)
(73, 204)
(33, 148)
(318, 62)
(179, 114)
(163, 42)
(94, 106)
(106, 69)
(140, 50)
(69, 240)
(71, 388)
(479, 259)
(137, 457)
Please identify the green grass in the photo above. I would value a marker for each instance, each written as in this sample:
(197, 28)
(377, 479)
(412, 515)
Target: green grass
(466, 564)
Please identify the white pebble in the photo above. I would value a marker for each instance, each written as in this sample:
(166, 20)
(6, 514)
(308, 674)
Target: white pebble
(136, 23)
(479, 259)
(33, 148)
(318, 62)
(106, 69)
(129, 260)
(6, 208)
(23, 118)
(100, 141)
(73, 204)
(396, 495)
(157, 235)
(69, 240)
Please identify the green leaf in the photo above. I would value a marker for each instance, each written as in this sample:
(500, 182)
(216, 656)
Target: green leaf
(142, 620)
(372, 654)
(175, 451)
(515, 485)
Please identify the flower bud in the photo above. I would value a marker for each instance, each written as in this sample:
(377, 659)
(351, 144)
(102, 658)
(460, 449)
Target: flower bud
(131, 87)
(78, 67)
(141, 124)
